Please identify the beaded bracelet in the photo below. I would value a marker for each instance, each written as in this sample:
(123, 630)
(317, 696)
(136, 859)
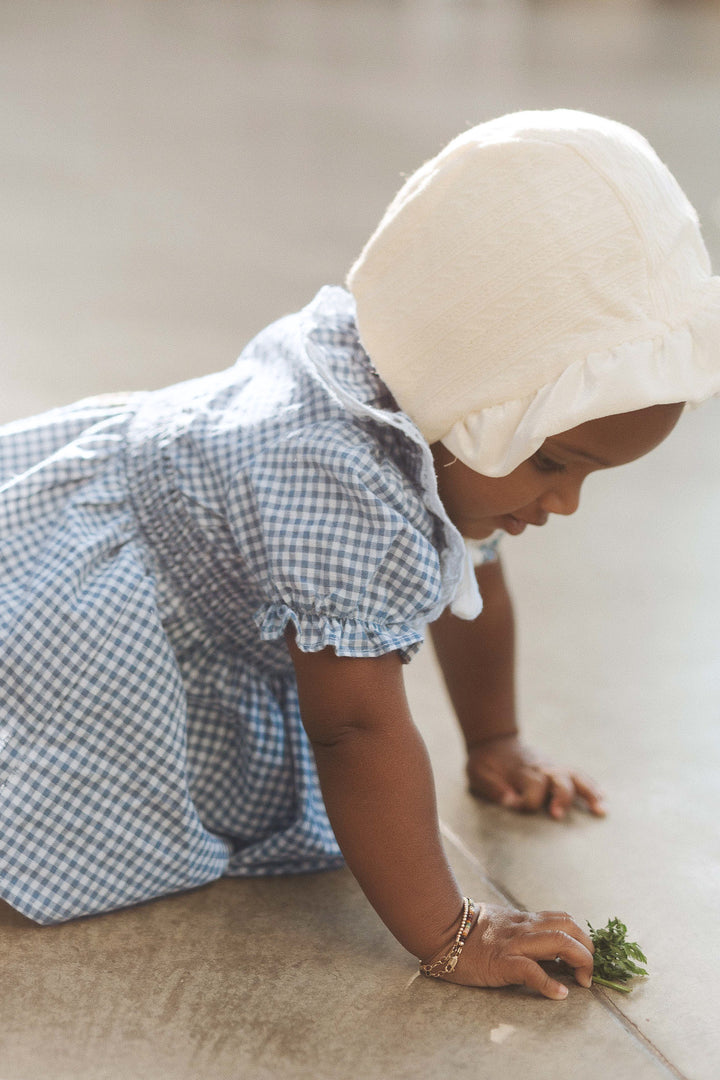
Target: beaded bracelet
(447, 963)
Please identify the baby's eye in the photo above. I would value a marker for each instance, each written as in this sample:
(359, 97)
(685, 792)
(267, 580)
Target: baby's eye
(544, 463)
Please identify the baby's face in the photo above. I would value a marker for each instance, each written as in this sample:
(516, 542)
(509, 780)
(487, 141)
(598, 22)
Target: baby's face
(550, 481)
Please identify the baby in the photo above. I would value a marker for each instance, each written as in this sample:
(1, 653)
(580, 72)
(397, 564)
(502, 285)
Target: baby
(209, 592)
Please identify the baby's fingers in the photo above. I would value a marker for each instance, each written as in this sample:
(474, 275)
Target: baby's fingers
(494, 789)
(523, 971)
(591, 794)
(560, 920)
(534, 784)
(562, 795)
(557, 945)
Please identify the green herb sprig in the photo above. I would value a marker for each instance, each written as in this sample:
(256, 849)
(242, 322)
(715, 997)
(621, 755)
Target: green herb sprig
(615, 958)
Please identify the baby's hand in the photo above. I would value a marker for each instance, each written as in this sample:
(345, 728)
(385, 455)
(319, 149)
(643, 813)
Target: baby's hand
(505, 771)
(505, 946)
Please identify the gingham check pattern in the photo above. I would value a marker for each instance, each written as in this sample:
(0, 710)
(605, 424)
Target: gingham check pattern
(153, 548)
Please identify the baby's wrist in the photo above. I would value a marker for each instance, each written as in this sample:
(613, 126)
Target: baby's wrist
(439, 935)
(445, 959)
(478, 741)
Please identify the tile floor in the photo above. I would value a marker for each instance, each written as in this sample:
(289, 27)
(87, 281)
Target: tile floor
(172, 177)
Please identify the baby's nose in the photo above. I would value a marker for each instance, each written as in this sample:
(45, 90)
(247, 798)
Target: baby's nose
(562, 500)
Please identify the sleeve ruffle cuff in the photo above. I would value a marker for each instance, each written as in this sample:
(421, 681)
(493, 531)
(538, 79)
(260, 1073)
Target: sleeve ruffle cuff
(348, 637)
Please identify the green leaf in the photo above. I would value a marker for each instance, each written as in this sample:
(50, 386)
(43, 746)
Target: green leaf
(614, 959)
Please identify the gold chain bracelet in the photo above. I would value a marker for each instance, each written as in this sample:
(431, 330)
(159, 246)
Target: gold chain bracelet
(448, 962)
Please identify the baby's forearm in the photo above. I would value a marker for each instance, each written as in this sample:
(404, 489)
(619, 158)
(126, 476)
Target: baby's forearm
(379, 793)
(477, 659)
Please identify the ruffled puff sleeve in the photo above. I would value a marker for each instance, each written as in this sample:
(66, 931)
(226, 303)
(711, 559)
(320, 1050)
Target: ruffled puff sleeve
(343, 547)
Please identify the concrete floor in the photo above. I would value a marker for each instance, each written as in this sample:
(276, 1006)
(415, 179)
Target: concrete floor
(175, 175)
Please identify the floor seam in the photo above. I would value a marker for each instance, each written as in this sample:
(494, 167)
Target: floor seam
(632, 1029)
(600, 995)
(452, 837)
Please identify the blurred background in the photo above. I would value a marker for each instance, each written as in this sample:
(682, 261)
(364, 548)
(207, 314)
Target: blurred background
(174, 175)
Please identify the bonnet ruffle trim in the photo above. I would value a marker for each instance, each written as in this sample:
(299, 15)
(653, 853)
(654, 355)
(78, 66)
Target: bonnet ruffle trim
(669, 364)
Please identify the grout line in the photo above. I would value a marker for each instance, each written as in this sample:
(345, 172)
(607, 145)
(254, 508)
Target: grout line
(465, 851)
(599, 994)
(632, 1029)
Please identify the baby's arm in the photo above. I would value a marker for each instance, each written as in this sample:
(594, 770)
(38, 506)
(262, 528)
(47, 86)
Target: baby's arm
(477, 659)
(378, 790)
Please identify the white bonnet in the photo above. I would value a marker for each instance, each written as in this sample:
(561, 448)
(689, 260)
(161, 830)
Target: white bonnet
(543, 270)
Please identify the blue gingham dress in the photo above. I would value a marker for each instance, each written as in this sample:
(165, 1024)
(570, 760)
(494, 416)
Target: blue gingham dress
(153, 549)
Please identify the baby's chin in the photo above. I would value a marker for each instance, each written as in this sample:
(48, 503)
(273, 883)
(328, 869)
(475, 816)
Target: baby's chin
(481, 530)
(484, 528)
